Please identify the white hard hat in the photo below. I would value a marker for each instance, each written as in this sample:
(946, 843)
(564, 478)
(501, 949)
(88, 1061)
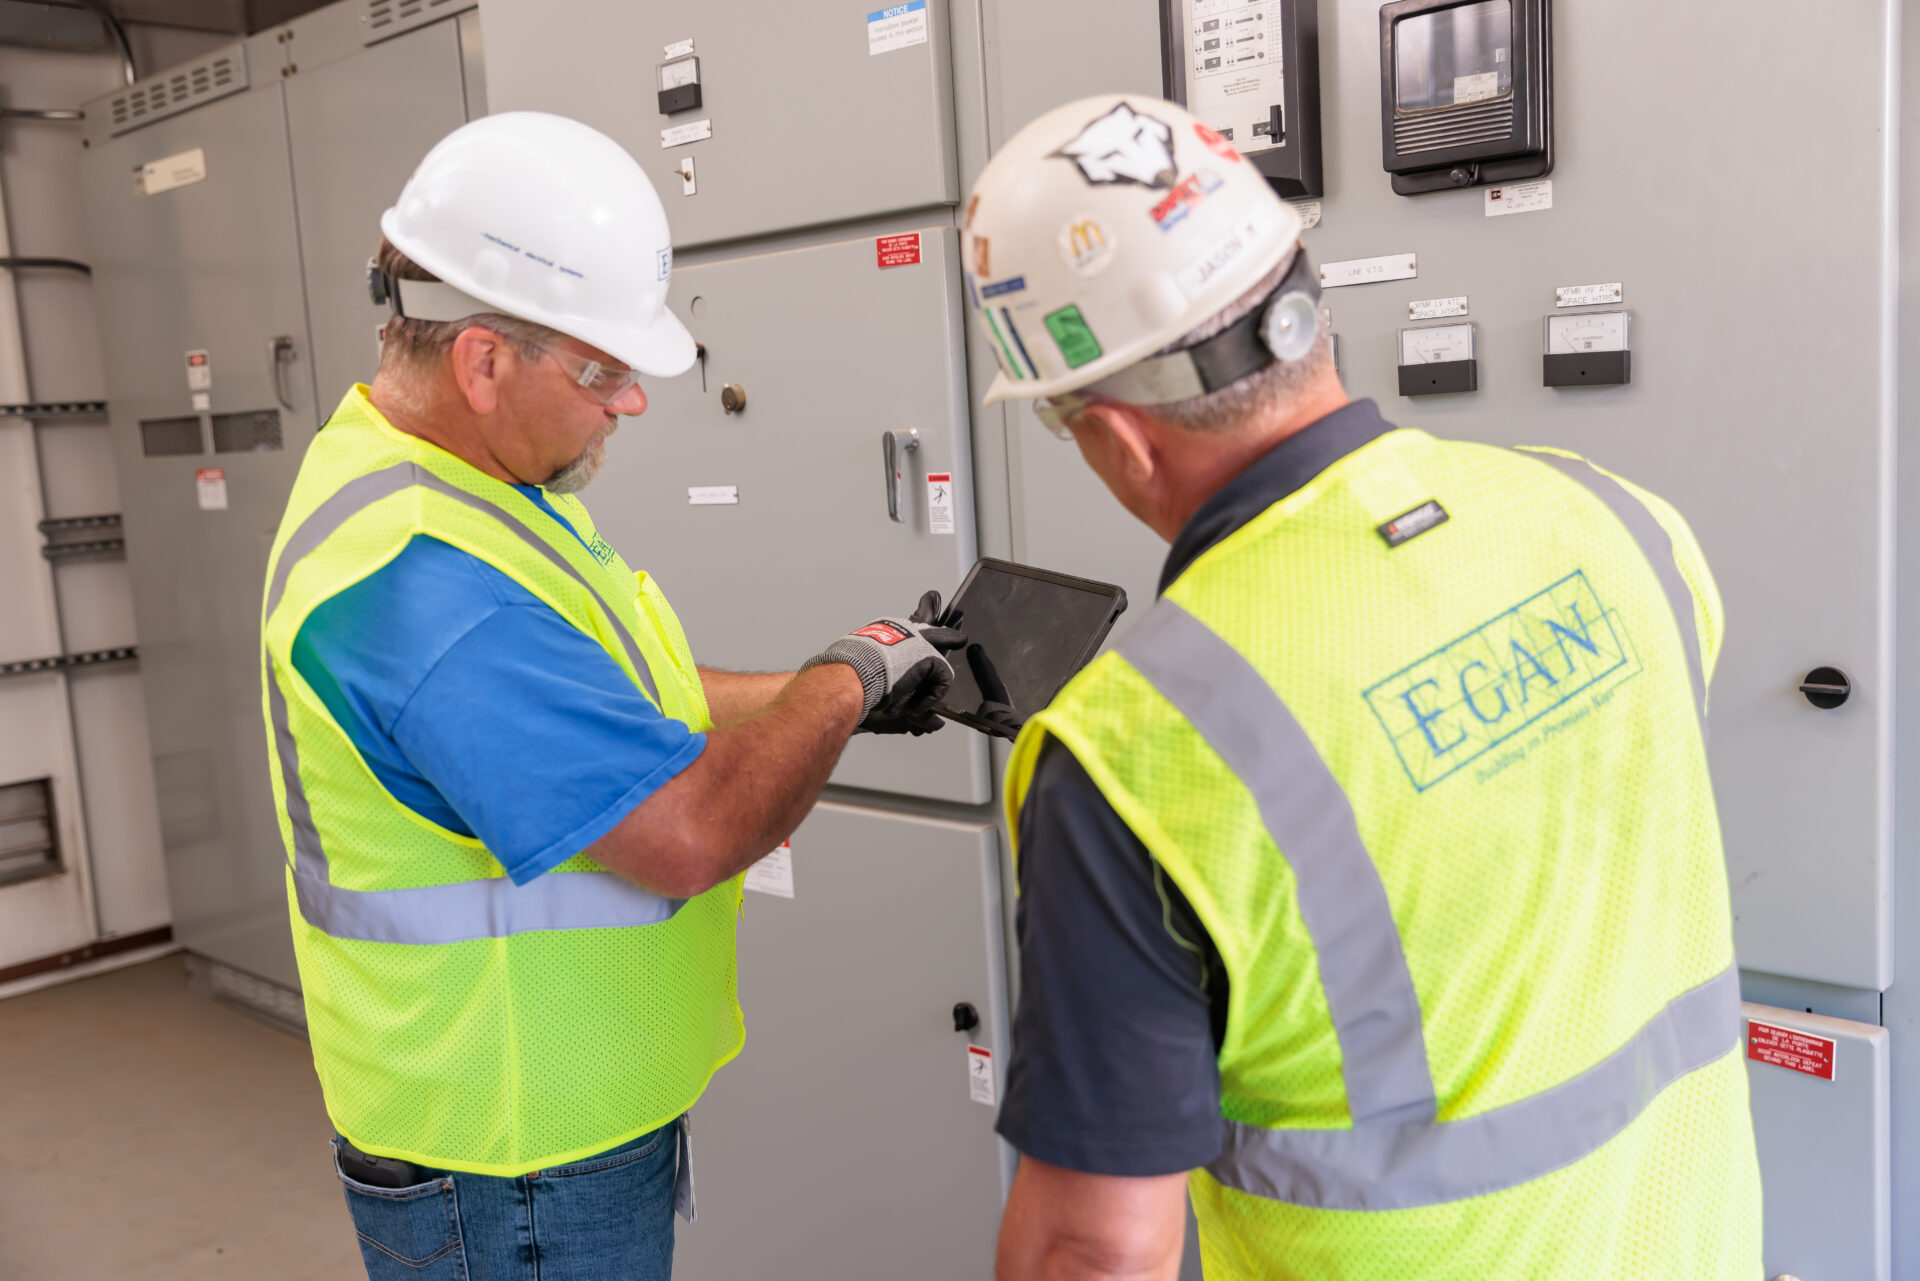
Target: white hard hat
(543, 218)
(1107, 229)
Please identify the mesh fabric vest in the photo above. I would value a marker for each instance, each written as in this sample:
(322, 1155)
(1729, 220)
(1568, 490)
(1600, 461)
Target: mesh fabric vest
(1443, 808)
(458, 1021)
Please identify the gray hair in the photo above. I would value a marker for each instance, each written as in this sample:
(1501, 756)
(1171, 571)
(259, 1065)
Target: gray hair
(1234, 404)
(415, 346)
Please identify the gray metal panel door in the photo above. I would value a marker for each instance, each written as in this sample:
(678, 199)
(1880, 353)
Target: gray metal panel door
(358, 128)
(211, 265)
(1785, 476)
(831, 350)
(843, 1142)
(1824, 1153)
(809, 127)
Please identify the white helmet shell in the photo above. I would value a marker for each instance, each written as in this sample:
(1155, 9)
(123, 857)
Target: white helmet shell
(546, 219)
(1105, 230)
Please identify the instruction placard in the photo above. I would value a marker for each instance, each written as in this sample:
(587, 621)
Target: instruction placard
(897, 251)
(980, 1074)
(1795, 1051)
(939, 502)
(211, 486)
(1520, 197)
(899, 27)
(199, 371)
(774, 873)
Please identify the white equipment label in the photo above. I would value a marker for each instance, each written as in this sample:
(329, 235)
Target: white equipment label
(211, 484)
(900, 26)
(774, 873)
(1368, 271)
(1435, 308)
(1520, 197)
(180, 170)
(980, 1074)
(199, 371)
(939, 502)
(1476, 88)
(678, 49)
(713, 495)
(202, 401)
(1586, 295)
(1309, 213)
(1236, 70)
(681, 135)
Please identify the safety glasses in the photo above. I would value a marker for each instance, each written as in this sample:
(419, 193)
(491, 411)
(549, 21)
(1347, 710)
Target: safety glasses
(604, 384)
(1056, 412)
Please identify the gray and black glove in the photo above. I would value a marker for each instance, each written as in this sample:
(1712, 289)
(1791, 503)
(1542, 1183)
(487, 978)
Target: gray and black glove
(996, 705)
(902, 667)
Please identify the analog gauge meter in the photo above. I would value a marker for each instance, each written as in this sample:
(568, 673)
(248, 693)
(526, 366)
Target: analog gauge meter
(679, 85)
(1438, 359)
(1588, 349)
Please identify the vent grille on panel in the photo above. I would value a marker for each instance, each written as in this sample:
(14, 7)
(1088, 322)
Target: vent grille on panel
(383, 18)
(168, 94)
(1432, 131)
(256, 431)
(168, 437)
(29, 838)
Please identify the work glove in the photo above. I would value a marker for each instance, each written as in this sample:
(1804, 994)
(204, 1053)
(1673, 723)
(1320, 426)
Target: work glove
(996, 706)
(902, 667)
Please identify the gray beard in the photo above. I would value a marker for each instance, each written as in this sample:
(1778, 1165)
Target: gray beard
(579, 473)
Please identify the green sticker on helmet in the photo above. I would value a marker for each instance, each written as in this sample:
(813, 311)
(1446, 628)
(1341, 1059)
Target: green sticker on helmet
(1070, 333)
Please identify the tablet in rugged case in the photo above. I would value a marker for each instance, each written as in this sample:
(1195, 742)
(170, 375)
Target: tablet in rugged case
(1037, 628)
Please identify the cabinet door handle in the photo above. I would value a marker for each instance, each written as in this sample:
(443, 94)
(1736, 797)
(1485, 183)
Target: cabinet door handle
(893, 446)
(279, 355)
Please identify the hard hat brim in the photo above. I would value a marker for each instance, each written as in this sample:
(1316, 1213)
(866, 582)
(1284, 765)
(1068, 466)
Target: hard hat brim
(663, 349)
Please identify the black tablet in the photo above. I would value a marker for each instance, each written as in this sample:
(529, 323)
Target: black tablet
(1036, 629)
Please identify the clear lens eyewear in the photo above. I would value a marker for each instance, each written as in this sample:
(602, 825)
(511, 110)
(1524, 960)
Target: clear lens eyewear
(606, 385)
(1056, 412)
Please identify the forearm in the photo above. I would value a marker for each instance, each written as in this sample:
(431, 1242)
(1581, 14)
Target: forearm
(746, 793)
(1061, 1225)
(734, 696)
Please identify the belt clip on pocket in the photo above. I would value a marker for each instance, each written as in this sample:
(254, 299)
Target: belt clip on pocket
(683, 1173)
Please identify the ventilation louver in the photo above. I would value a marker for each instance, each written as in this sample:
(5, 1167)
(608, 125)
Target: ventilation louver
(384, 18)
(215, 76)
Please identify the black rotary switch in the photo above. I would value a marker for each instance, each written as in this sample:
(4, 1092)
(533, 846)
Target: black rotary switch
(1826, 687)
(965, 1017)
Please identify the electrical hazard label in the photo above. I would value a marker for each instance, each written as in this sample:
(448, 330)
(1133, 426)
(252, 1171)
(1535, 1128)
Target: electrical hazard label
(210, 485)
(980, 1074)
(939, 502)
(897, 251)
(1795, 1051)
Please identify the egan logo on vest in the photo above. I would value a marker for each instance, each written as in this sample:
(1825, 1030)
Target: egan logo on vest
(1479, 691)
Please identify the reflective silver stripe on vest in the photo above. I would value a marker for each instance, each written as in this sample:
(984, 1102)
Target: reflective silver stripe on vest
(1370, 995)
(491, 908)
(1426, 1163)
(363, 492)
(1657, 546)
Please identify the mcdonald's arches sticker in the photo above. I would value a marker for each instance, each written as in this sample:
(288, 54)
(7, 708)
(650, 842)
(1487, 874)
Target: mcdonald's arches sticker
(1085, 247)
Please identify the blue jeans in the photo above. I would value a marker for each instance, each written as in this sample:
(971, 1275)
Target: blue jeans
(608, 1218)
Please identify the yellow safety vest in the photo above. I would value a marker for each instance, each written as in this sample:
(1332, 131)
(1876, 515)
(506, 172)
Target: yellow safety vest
(459, 1021)
(1443, 808)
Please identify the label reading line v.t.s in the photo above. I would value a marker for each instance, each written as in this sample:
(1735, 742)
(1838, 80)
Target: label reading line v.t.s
(899, 26)
(939, 502)
(980, 1074)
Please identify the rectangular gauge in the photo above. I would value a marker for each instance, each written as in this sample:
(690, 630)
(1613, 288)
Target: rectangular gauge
(1588, 349)
(1438, 359)
(1466, 92)
(679, 85)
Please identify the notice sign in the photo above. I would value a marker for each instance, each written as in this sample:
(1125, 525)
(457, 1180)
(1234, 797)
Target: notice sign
(1795, 1051)
(774, 873)
(897, 251)
(199, 372)
(939, 502)
(980, 1074)
(211, 485)
(899, 26)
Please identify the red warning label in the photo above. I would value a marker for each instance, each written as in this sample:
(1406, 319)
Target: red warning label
(1784, 1047)
(897, 251)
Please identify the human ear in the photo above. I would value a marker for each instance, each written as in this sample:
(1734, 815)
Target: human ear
(478, 358)
(1118, 436)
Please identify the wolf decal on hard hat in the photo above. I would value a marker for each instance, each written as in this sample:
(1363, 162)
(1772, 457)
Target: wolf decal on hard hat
(1124, 146)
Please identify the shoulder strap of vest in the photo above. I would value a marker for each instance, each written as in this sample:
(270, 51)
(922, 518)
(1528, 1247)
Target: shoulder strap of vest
(1656, 545)
(363, 491)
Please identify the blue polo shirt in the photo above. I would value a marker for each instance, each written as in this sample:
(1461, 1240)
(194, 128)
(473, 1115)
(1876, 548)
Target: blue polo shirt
(484, 711)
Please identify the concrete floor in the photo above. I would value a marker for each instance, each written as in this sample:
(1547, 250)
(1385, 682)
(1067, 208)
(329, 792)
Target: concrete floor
(147, 1132)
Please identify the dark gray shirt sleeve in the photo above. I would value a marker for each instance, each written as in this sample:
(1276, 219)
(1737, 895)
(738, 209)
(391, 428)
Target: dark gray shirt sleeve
(1115, 1064)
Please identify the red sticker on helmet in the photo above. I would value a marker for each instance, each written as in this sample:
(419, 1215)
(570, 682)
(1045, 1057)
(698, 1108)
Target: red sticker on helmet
(884, 633)
(1216, 142)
